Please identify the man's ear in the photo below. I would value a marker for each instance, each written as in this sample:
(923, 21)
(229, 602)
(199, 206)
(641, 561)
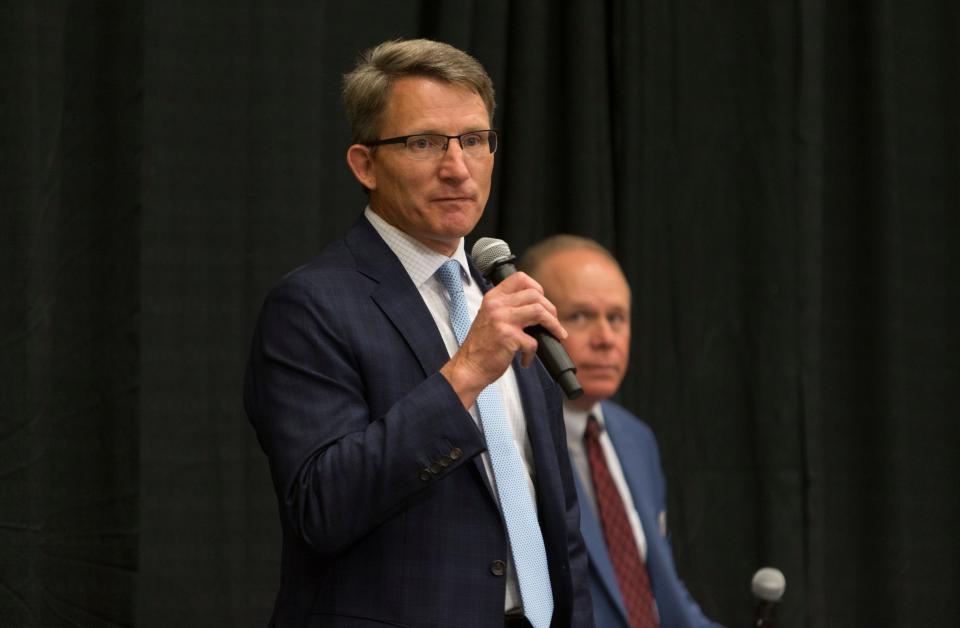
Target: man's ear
(360, 161)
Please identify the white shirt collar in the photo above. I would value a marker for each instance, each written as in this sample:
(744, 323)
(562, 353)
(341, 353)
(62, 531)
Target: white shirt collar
(420, 261)
(576, 421)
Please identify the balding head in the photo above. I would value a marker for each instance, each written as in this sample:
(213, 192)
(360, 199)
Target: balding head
(536, 254)
(592, 297)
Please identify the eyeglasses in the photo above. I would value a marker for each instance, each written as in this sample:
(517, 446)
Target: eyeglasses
(433, 145)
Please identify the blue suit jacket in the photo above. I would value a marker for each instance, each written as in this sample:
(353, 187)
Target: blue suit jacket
(385, 508)
(637, 450)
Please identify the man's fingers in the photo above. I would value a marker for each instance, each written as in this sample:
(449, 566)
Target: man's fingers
(528, 349)
(537, 314)
(517, 282)
(497, 333)
(527, 297)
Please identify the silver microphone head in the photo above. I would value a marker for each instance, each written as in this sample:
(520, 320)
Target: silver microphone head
(768, 584)
(487, 252)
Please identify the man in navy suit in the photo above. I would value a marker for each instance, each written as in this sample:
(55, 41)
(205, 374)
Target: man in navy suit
(376, 408)
(621, 485)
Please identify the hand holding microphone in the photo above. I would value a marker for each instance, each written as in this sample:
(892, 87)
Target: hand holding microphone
(494, 259)
(500, 330)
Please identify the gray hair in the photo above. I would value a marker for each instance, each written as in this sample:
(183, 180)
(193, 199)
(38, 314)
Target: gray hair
(366, 89)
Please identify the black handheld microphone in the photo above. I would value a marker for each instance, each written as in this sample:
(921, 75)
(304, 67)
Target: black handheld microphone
(495, 261)
(768, 585)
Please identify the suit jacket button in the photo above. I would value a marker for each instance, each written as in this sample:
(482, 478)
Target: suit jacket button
(455, 453)
(425, 475)
(498, 568)
(435, 468)
(445, 462)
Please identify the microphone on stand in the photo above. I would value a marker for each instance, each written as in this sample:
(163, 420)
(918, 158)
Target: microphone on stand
(768, 585)
(495, 262)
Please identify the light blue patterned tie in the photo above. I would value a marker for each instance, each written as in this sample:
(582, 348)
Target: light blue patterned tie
(510, 475)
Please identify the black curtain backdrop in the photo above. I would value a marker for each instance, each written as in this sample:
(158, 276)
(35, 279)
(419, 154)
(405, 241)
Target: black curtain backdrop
(781, 181)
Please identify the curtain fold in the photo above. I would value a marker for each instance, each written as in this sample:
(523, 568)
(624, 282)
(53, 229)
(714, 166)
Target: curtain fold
(69, 340)
(779, 180)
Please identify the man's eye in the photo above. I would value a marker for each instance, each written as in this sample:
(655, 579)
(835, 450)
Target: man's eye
(470, 141)
(419, 143)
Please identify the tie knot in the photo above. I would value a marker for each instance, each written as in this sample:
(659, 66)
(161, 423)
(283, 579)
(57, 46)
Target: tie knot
(593, 429)
(449, 276)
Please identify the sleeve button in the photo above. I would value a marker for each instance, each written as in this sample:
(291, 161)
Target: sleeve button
(498, 568)
(455, 453)
(424, 475)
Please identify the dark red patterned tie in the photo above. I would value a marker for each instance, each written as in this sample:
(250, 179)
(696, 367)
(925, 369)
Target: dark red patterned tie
(628, 565)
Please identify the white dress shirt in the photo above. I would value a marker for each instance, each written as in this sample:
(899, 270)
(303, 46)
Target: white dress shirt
(421, 263)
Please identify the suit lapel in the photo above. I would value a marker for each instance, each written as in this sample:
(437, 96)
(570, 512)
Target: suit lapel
(538, 427)
(396, 296)
(593, 538)
(399, 299)
(632, 460)
(641, 490)
(536, 412)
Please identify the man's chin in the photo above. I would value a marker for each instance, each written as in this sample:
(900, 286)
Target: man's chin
(601, 376)
(458, 225)
(599, 389)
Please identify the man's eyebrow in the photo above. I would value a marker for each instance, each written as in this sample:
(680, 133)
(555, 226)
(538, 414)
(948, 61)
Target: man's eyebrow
(581, 305)
(435, 131)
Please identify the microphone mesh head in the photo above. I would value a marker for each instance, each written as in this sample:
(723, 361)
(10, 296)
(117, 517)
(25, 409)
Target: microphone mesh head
(768, 584)
(487, 252)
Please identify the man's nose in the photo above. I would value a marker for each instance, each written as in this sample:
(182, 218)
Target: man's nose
(602, 332)
(453, 164)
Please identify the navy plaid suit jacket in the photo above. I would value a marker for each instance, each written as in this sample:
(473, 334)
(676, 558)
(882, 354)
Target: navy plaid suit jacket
(386, 513)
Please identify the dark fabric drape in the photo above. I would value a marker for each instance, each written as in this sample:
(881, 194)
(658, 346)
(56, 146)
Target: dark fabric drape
(70, 200)
(780, 181)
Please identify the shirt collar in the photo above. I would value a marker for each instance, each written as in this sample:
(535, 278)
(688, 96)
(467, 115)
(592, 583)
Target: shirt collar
(420, 261)
(575, 421)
